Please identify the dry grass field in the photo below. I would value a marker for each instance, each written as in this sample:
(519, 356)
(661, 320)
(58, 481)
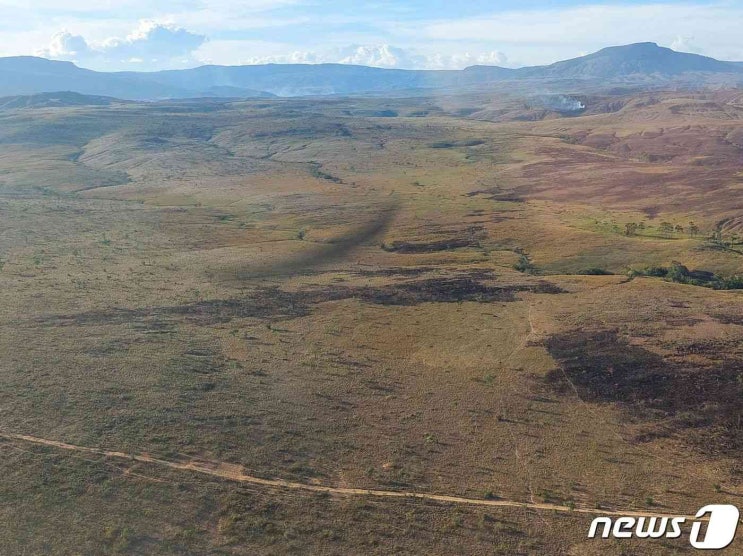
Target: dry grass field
(436, 296)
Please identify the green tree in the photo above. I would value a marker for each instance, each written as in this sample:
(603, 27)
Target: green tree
(678, 272)
(525, 265)
(630, 228)
(666, 228)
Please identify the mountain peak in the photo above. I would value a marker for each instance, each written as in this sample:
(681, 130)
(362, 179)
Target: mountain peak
(634, 49)
(643, 58)
(644, 62)
(648, 45)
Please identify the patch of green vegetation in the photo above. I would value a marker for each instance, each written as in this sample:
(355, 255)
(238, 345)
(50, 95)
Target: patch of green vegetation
(681, 274)
(594, 271)
(525, 265)
(316, 172)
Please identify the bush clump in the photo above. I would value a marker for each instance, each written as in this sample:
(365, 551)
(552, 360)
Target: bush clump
(594, 271)
(525, 265)
(681, 274)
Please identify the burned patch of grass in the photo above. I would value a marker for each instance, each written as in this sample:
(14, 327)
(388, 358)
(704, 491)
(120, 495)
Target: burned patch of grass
(729, 319)
(497, 194)
(447, 290)
(714, 349)
(277, 304)
(396, 271)
(431, 246)
(704, 402)
(457, 143)
(469, 237)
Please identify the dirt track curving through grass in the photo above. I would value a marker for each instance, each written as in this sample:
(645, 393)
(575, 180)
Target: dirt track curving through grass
(233, 472)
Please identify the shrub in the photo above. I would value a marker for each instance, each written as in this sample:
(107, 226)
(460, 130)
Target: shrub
(525, 265)
(732, 283)
(656, 271)
(594, 271)
(678, 273)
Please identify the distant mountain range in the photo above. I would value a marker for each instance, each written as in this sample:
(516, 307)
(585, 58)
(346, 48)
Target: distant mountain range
(641, 63)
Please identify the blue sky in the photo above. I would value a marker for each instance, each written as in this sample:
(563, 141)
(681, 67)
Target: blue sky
(158, 34)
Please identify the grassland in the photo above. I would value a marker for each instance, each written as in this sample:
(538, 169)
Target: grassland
(324, 292)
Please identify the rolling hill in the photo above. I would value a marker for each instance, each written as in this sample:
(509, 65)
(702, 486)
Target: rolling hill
(291, 327)
(46, 100)
(645, 63)
(635, 59)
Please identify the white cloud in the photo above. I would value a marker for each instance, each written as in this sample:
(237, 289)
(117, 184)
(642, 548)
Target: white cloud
(459, 61)
(383, 56)
(296, 57)
(236, 52)
(153, 39)
(99, 34)
(686, 44)
(538, 36)
(64, 45)
(151, 44)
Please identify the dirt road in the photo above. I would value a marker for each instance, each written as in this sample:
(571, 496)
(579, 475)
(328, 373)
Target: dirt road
(232, 472)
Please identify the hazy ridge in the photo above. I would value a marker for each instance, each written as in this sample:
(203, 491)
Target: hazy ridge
(645, 64)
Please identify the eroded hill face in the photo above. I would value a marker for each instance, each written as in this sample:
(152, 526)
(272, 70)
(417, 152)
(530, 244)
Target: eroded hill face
(378, 294)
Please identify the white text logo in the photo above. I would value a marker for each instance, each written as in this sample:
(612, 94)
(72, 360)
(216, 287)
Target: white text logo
(719, 533)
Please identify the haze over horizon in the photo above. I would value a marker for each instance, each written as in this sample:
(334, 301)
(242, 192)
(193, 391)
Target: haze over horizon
(174, 34)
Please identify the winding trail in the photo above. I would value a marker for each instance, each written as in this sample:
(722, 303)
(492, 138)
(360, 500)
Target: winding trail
(233, 472)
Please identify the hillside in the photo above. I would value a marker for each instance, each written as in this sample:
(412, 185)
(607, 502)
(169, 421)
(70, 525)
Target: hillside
(646, 63)
(439, 325)
(54, 99)
(26, 75)
(636, 59)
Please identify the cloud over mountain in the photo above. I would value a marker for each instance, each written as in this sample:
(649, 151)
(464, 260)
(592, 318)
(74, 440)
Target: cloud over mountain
(433, 35)
(384, 56)
(151, 43)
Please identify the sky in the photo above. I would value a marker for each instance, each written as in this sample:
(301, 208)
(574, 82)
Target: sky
(147, 35)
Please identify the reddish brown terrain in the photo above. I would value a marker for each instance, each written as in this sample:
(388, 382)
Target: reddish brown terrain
(224, 322)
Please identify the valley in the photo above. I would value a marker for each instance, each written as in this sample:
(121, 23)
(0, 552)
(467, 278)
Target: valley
(437, 296)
